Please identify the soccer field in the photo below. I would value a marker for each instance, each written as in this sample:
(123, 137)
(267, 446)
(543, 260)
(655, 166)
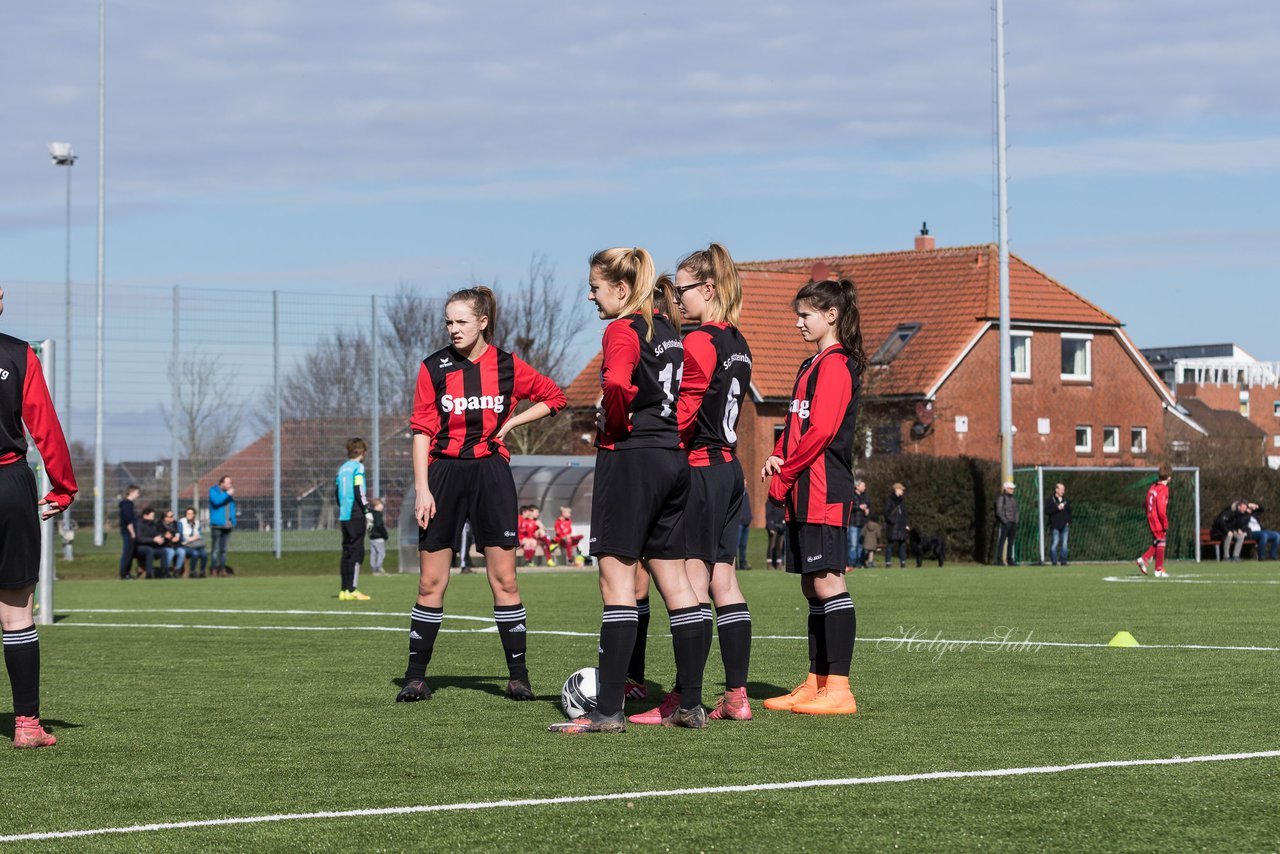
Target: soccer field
(259, 713)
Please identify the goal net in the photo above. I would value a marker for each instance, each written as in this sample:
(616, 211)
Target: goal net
(1108, 513)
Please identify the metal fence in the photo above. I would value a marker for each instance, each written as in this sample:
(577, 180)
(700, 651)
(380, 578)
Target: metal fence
(263, 385)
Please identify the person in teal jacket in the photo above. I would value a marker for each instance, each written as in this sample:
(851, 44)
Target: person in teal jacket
(349, 489)
(222, 521)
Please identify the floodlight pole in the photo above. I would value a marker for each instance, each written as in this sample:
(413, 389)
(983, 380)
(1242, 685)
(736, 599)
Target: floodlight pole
(375, 457)
(99, 462)
(63, 156)
(1002, 184)
(277, 512)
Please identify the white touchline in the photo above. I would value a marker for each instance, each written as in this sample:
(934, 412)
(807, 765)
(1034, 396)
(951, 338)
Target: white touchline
(621, 796)
(1123, 579)
(258, 611)
(907, 643)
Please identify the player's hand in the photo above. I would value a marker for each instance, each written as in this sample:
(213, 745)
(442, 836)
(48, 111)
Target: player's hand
(51, 508)
(368, 518)
(424, 508)
(502, 431)
(772, 466)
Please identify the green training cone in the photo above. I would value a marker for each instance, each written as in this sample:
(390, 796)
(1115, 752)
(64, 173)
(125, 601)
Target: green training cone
(1123, 639)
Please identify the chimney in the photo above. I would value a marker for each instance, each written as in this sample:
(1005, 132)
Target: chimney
(924, 241)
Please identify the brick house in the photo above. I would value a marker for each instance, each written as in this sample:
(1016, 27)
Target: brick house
(1082, 395)
(1234, 396)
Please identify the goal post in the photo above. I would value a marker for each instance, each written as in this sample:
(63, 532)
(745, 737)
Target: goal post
(44, 587)
(1108, 512)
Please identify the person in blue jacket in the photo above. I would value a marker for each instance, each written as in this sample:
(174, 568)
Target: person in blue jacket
(349, 489)
(222, 521)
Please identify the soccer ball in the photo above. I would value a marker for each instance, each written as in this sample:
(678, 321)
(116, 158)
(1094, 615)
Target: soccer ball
(579, 694)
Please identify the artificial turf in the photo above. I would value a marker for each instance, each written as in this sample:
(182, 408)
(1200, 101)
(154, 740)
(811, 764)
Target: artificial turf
(177, 720)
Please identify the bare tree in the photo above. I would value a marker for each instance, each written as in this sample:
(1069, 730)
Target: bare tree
(414, 329)
(208, 414)
(540, 321)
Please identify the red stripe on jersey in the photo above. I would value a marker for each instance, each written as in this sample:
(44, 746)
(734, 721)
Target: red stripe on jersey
(27, 402)
(461, 404)
(717, 376)
(816, 480)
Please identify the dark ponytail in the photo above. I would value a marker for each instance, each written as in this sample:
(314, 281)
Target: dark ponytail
(843, 297)
(483, 302)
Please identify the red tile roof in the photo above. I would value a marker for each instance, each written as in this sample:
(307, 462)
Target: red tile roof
(951, 292)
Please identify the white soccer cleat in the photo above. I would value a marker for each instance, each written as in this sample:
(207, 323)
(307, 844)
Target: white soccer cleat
(1142, 565)
(1160, 573)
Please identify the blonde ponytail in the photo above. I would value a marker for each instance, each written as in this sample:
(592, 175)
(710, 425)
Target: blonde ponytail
(715, 264)
(633, 267)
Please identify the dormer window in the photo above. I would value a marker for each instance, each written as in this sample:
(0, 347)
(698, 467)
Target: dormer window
(898, 339)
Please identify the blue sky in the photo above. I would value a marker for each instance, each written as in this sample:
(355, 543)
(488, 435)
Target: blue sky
(345, 148)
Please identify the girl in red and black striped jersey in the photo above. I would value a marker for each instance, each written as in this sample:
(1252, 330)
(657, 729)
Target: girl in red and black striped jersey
(25, 403)
(717, 373)
(812, 471)
(463, 407)
(641, 485)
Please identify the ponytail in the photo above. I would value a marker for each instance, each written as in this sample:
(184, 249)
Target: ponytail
(665, 299)
(483, 302)
(715, 264)
(634, 268)
(843, 297)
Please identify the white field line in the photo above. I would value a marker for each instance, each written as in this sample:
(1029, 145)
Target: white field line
(258, 611)
(909, 643)
(1125, 579)
(626, 796)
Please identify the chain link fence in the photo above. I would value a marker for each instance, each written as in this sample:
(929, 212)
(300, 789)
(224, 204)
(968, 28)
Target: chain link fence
(264, 386)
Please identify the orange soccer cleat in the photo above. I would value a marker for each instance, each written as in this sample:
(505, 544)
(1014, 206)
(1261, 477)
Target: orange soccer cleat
(802, 693)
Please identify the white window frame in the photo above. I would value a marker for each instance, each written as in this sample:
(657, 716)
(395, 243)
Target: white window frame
(1026, 334)
(1086, 337)
(1111, 447)
(1275, 441)
(1141, 446)
(1087, 447)
(1244, 402)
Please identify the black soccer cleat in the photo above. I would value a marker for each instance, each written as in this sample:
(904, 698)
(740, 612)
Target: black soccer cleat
(413, 691)
(695, 718)
(518, 689)
(592, 721)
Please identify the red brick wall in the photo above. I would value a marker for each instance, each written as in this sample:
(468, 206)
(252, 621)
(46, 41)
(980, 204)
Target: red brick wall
(1117, 395)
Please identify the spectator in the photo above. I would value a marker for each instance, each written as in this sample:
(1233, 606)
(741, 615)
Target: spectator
(870, 540)
(1007, 519)
(128, 530)
(897, 526)
(775, 524)
(174, 553)
(151, 544)
(857, 519)
(1157, 506)
(193, 542)
(1267, 542)
(377, 537)
(744, 528)
(222, 521)
(1057, 508)
(1232, 527)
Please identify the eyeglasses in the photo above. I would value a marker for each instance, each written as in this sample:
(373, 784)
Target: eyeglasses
(680, 291)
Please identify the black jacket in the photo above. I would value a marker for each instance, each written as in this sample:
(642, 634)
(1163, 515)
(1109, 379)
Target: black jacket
(1229, 519)
(379, 529)
(858, 518)
(774, 516)
(1007, 508)
(148, 530)
(1057, 511)
(895, 519)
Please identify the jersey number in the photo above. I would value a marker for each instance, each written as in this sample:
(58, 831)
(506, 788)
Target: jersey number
(664, 376)
(731, 411)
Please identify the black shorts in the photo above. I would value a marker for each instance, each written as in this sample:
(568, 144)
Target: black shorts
(816, 548)
(19, 527)
(637, 506)
(716, 494)
(481, 492)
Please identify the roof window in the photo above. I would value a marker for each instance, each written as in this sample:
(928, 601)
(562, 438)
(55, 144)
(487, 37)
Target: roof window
(898, 339)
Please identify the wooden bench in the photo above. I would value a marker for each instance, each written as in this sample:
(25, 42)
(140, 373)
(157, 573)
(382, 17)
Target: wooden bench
(1206, 539)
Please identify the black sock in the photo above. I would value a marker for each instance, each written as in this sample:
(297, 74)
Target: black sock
(686, 639)
(617, 637)
(424, 625)
(841, 626)
(635, 670)
(817, 638)
(22, 660)
(511, 629)
(734, 622)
